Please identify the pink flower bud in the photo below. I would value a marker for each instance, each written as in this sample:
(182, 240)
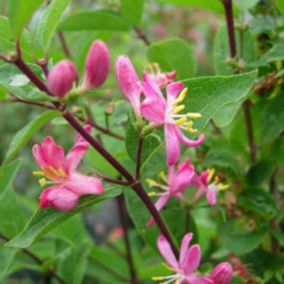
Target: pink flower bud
(128, 82)
(59, 198)
(222, 273)
(61, 77)
(97, 65)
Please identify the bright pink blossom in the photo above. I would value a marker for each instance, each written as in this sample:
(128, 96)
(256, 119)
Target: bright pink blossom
(97, 66)
(222, 273)
(185, 266)
(61, 78)
(161, 111)
(60, 171)
(128, 82)
(175, 184)
(207, 184)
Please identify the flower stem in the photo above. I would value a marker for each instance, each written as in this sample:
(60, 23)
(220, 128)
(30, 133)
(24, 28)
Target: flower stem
(138, 157)
(124, 224)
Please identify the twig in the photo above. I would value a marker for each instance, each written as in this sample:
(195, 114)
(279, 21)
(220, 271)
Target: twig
(37, 260)
(138, 156)
(116, 181)
(124, 224)
(64, 45)
(142, 36)
(19, 100)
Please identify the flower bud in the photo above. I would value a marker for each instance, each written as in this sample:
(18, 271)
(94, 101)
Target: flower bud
(128, 82)
(222, 273)
(97, 66)
(61, 78)
(58, 198)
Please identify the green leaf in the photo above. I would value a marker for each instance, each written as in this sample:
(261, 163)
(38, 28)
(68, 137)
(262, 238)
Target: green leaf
(20, 13)
(45, 220)
(274, 54)
(25, 134)
(280, 5)
(150, 144)
(6, 255)
(208, 95)
(244, 5)
(132, 10)
(174, 54)
(95, 20)
(272, 119)
(49, 21)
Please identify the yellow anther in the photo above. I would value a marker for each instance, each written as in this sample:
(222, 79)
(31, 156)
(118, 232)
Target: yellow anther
(151, 182)
(223, 186)
(61, 173)
(216, 180)
(181, 121)
(168, 267)
(152, 193)
(38, 173)
(190, 129)
(42, 182)
(158, 278)
(194, 115)
(181, 97)
(163, 177)
(210, 174)
(178, 109)
(156, 67)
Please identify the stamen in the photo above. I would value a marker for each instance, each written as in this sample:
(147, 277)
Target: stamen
(178, 109)
(181, 97)
(42, 182)
(163, 177)
(152, 193)
(216, 180)
(210, 174)
(158, 278)
(38, 173)
(194, 115)
(223, 186)
(181, 121)
(151, 182)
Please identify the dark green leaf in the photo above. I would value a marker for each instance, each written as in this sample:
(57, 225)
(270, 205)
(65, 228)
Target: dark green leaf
(174, 54)
(132, 10)
(274, 54)
(280, 5)
(94, 20)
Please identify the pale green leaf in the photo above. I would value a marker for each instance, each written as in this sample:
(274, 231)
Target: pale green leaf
(132, 10)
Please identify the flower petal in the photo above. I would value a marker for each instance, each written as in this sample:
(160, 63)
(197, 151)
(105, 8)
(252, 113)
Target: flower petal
(196, 279)
(153, 110)
(173, 91)
(151, 89)
(58, 197)
(192, 260)
(211, 196)
(81, 184)
(184, 247)
(162, 201)
(172, 143)
(189, 142)
(166, 251)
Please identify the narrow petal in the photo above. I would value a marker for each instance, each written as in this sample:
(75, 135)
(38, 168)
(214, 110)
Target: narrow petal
(196, 279)
(184, 247)
(167, 253)
(192, 260)
(81, 184)
(58, 198)
(172, 143)
(211, 196)
(160, 204)
(39, 157)
(153, 110)
(189, 142)
(151, 89)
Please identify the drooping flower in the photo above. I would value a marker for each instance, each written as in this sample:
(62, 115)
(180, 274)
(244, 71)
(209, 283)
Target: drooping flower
(61, 78)
(128, 82)
(61, 171)
(162, 79)
(160, 111)
(222, 273)
(97, 66)
(185, 266)
(208, 184)
(173, 185)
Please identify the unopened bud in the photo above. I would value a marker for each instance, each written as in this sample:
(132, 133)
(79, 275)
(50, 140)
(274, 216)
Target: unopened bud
(61, 78)
(222, 273)
(97, 66)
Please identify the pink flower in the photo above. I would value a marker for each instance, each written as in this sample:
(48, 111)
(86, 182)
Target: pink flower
(160, 111)
(97, 66)
(209, 185)
(61, 171)
(222, 273)
(128, 82)
(61, 78)
(174, 186)
(162, 79)
(185, 266)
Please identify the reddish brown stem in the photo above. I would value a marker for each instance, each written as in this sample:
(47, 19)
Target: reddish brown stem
(64, 45)
(142, 36)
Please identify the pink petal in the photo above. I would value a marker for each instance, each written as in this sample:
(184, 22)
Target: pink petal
(173, 91)
(211, 196)
(151, 89)
(196, 279)
(58, 198)
(49, 154)
(222, 273)
(162, 201)
(192, 260)
(188, 142)
(81, 184)
(172, 143)
(153, 110)
(166, 251)
(184, 247)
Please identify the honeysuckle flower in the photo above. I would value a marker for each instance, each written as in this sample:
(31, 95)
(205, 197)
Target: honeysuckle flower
(160, 111)
(222, 273)
(173, 185)
(60, 171)
(185, 266)
(61, 78)
(128, 82)
(208, 184)
(162, 79)
(97, 66)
